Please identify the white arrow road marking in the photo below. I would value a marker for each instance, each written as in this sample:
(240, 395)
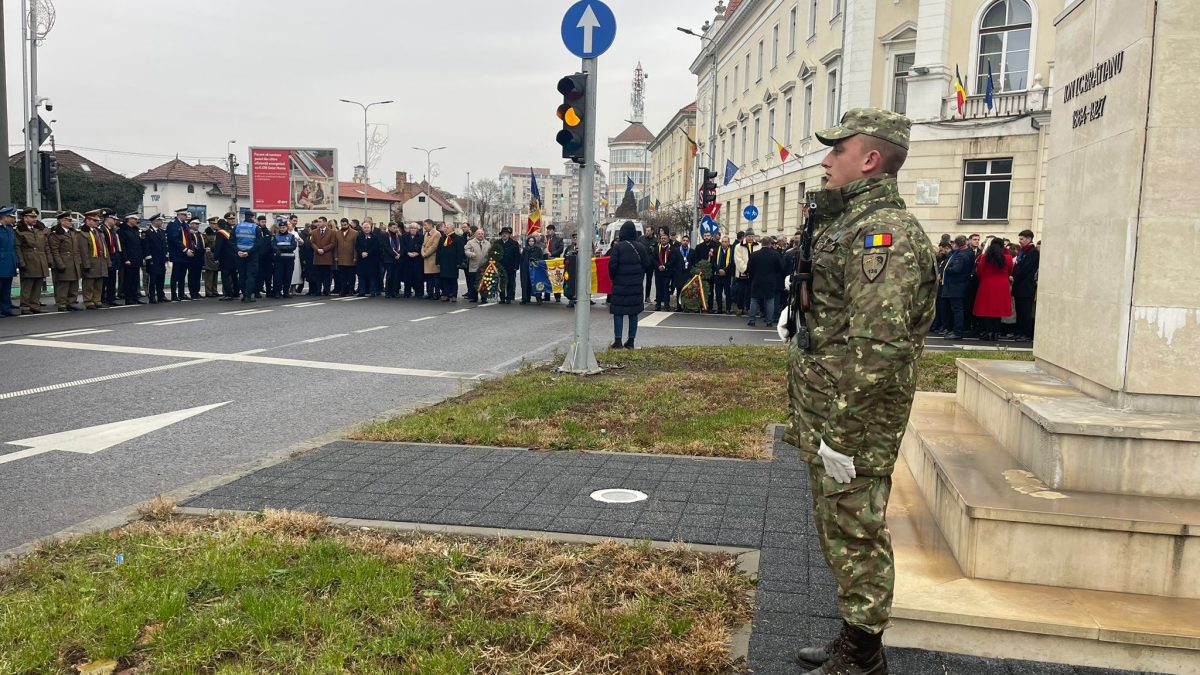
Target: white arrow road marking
(588, 23)
(90, 440)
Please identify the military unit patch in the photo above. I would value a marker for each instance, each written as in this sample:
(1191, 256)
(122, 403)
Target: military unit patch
(877, 240)
(873, 263)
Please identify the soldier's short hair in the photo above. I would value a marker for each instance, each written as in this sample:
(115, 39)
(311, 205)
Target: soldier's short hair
(891, 156)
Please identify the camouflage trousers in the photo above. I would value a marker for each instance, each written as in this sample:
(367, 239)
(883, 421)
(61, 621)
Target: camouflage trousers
(852, 529)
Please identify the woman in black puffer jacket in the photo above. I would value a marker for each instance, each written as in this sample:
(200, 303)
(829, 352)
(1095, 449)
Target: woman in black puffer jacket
(627, 264)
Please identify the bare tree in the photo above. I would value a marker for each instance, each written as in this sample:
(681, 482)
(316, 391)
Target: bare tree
(486, 199)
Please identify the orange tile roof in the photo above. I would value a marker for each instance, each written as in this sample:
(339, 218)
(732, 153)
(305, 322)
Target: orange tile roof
(352, 190)
(634, 133)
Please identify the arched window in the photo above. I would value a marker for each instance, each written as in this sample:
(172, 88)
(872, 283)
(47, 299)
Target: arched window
(1004, 35)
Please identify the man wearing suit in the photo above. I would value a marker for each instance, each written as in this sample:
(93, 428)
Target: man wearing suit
(667, 265)
(510, 258)
(1024, 284)
(177, 254)
(368, 249)
(431, 240)
(131, 257)
(722, 281)
(324, 243)
(155, 254)
(347, 239)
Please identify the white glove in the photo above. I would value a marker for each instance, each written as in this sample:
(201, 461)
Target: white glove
(781, 325)
(838, 466)
(787, 283)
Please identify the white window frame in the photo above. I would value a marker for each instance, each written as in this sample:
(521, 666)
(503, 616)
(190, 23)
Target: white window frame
(787, 121)
(835, 9)
(757, 134)
(770, 129)
(812, 18)
(973, 64)
(735, 82)
(988, 179)
(761, 49)
(725, 92)
(774, 47)
(792, 18)
(893, 82)
(832, 93)
(746, 76)
(745, 136)
(809, 93)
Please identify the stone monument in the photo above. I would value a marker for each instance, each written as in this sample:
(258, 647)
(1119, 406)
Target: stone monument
(1067, 490)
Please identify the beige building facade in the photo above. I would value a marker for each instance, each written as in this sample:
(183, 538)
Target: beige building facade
(788, 68)
(672, 163)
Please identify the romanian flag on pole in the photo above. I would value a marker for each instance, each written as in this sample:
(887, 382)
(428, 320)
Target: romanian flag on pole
(534, 224)
(783, 152)
(695, 147)
(959, 92)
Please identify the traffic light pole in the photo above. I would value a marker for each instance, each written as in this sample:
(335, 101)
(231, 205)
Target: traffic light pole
(580, 358)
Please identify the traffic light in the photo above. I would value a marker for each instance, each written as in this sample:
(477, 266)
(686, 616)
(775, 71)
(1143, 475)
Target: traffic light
(708, 189)
(572, 111)
(49, 173)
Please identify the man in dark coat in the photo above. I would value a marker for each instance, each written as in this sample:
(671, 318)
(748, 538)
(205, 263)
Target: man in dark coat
(628, 261)
(649, 241)
(1024, 284)
(155, 253)
(392, 253)
(511, 260)
(723, 272)
(412, 265)
(369, 249)
(530, 254)
(554, 249)
(667, 265)
(176, 254)
(956, 281)
(448, 255)
(264, 283)
(765, 272)
(226, 253)
(132, 256)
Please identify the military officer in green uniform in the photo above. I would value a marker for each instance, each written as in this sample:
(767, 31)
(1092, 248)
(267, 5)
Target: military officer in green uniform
(871, 300)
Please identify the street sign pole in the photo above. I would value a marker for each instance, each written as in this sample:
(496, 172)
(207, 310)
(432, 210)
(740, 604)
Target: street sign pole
(580, 358)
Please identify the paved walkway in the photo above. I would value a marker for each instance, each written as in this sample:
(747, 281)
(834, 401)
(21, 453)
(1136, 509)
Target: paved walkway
(763, 505)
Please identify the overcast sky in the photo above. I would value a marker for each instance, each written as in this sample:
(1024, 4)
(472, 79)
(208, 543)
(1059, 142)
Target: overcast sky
(160, 77)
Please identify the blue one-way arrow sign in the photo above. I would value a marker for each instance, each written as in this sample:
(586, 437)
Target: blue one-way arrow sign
(588, 28)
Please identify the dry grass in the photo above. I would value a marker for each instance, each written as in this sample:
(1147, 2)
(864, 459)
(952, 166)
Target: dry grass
(283, 591)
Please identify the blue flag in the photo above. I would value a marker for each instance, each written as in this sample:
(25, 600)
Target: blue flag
(730, 169)
(991, 86)
(539, 276)
(629, 184)
(533, 188)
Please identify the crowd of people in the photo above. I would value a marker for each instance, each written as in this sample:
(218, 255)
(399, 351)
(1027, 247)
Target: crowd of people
(987, 289)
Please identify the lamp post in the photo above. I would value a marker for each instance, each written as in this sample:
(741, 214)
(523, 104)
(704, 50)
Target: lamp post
(712, 124)
(232, 162)
(428, 168)
(366, 159)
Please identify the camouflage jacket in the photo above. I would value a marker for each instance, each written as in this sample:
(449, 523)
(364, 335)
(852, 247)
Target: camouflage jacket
(873, 293)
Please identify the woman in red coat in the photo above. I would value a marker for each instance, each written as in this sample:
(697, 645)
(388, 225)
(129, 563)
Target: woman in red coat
(993, 301)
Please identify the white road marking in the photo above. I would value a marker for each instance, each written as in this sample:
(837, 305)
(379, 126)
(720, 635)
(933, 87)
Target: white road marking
(246, 358)
(73, 333)
(327, 337)
(490, 303)
(368, 330)
(247, 312)
(119, 306)
(352, 298)
(167, 322)
(654, 319)
(424, 318)
(746, 330)
(90, 440)
(772, 340)
(460, 311)
(299, 305)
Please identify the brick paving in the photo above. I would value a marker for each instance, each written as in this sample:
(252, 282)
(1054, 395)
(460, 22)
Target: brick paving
(761, 505)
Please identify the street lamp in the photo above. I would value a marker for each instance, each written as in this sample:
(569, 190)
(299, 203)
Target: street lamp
(428, 168)
(712, 124)
(366, 160)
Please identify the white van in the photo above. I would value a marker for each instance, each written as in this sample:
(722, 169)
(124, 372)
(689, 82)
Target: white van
(609, 232)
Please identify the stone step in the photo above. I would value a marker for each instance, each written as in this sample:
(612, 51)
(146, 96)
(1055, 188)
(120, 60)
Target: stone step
(1072, 441)
(937, 607)
(1002, 523)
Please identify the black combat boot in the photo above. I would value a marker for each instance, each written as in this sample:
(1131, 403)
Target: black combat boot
(860, 654)
(815, 656)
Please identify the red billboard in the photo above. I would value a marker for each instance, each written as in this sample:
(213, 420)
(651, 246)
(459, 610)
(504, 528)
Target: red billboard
(293, 180)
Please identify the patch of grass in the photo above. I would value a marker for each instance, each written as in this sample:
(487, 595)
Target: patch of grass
(282, 592)
(705, 401)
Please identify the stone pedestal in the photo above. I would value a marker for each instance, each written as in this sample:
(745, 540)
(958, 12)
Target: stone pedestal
(1080, 473)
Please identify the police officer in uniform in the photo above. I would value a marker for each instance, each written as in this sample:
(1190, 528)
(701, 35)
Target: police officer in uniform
(130, 238)
(212, 264)
(156, 251)
(872, 296)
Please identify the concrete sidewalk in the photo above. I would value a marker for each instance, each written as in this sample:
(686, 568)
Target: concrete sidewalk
(762, 505)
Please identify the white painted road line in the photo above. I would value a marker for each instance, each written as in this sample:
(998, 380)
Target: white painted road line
(247, 312)
(424, 318)
(299, 305)
(327, 337)
(245, 358)
(73, 333)
(745, 330)
(654, 319)
(167, 322)
(490, 303)
(369, 330)
(352, 298)
(460, 311)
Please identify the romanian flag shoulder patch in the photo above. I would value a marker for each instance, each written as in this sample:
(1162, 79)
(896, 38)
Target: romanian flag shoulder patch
(877, 240)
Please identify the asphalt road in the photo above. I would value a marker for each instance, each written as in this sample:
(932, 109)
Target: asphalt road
(285, 371)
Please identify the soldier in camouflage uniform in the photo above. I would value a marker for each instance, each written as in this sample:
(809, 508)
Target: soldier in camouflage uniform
(872, 300)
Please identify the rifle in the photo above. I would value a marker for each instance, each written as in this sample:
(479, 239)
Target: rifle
(798, 297)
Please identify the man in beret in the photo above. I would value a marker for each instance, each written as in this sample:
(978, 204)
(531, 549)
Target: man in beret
(852, 373)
